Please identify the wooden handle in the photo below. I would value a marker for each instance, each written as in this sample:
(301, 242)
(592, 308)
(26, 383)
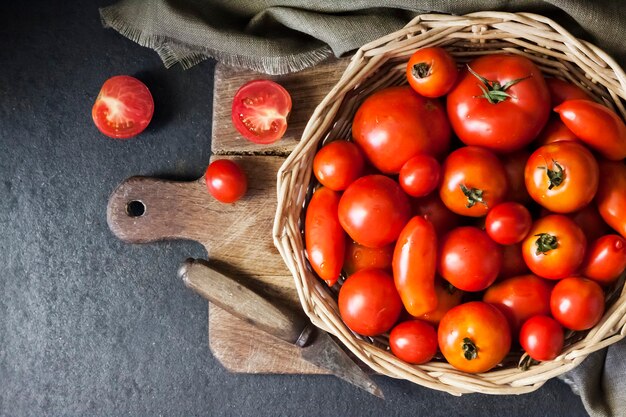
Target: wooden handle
(242, 302)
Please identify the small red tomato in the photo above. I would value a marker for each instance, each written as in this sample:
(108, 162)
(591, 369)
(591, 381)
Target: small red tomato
(432, 209)
(338, 164)
(508, 223)
(226, 180)
(514, 165)
(419, 176)
(555, 131)
(260, 110)
(605, 260)
(123, 108)
(542, 338)
(431, 72)
(513, 263)
(369, 303)
(413, 341)
(561, 91)
(448, 296)
(577, 303)
(361, 257)
(469, 259)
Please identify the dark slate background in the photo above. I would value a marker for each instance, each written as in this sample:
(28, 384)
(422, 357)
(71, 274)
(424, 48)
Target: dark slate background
(91, 326)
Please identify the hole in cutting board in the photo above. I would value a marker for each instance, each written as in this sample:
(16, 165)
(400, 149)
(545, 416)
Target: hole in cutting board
(135, 208)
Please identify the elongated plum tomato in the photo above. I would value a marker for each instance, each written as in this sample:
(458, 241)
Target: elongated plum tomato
(448, 296)
(577, 303)
(611, 196)
(542, 338)
(413, 341)
(260, 110)
(508, 223)
(431, 72)
(123, 108)
(395, 124)
(323, 235)
(419, 176)
(226, 181)
(361, 257)
(605, 260)
(561, 91)
(338, 164)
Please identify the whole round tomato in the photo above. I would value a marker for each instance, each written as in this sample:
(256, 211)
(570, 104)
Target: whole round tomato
(542, 338)
(605, 260)
(260, 110)
(123, 108)
(513, 263)
(469, 259)
(501, 103)
(555, 247)
(413, 341)
(226, 181)
(590, 221)
(338, 164)
(520, 298)
(561, 91)
(373, 210)
(432, 209)
(611, 196)
(369, 303)
(473, 180)
(577, 303)
(395, 124)
(359, 257)
(474, 337)
(514, 165)
(555, 131)
(508, 223)
(448, 296)
(419, 176)
(431, 72)
(562, 177)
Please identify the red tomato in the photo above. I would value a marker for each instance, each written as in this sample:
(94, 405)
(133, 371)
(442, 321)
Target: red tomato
(520, 298)
(501, 103)
(447, 297)
(413, 341)
(513, 263)
(514, 164)
(432, 209)
(414, 266)
(260, 110)
(596, 125)
(508, 223)
(473, 180)
(361, 257)
(369, 303)
(590, 222)
(555, 131)
(605, 260)
(562, 177)
(226, 181)
(373, 210)
(323, 235)
(469, 259)
(419, 176)
(395, 124)
(577, 303)
(338, 164)
(431, 72)
(611, 196)
(561, 91)
(123, 108)
(474, 337)
(542, 338)
(555, 247)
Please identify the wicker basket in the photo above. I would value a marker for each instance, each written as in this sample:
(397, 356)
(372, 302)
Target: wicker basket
(382, 63)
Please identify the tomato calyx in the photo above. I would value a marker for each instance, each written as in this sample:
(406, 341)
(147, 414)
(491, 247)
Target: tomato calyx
(555, 176)
(470, 350)
(421, 70)
(493, 91)
(474, 195)
(545, 243)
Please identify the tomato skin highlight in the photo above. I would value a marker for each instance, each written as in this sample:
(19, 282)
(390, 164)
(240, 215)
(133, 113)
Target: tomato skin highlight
(542, 338)
(611, 196)
(413, 341)
(338, 164)
(431, 72)
(508, 223)
(226, 181)
(577, 303)
(419, 176)
(605, 260)
(414, 266)
(361, 257)
(324, 236)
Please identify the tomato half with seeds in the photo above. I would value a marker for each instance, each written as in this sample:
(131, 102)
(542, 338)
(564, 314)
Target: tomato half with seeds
(605, 260)
(413, 341)
(431, 72)
(260, 110)
(577, 303)
(123, 108)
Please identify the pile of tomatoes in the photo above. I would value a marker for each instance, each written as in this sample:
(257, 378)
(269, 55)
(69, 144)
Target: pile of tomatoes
(471, 211)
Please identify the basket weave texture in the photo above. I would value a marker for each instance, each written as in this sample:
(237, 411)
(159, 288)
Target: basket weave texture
(382, 63)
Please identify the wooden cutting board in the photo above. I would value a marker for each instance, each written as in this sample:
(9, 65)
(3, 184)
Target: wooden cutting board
(237, 237)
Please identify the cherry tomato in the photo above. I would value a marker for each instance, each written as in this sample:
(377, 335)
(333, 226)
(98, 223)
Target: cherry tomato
(596, 125)
(431, 72)
(226, 181)
(473, 180)
(514, 164)
(414, 266)
(605, 260)
(260, 110)
(413, 341)
(542, 338)
(561, 91)
(448, 296)
(577, 303)
(590, 221)
(369, 303)
(395, 124)
(611, 196)
(419, 176)
(469, 259)
(555, 131)
(520, 298)
(123, 108)
(373, 210)
(562, 177)
(501, 103)
(508, 223)
(432, 209)
(338, 164)
(474, 337)
(323, 235)
(361, 257)
(555, 247)
(513, 263)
